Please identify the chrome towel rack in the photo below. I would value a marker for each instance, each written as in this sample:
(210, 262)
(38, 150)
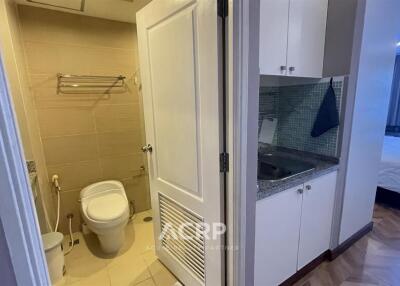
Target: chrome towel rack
(87, 84)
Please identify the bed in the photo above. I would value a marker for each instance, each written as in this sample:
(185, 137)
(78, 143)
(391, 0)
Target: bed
(389, 172)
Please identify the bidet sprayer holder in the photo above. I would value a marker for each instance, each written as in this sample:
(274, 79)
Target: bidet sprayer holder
(54, 180)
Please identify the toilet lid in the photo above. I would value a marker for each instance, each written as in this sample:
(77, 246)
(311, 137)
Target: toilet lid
(107, 207)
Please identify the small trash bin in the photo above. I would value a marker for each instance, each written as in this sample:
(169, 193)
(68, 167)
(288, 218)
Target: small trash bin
(52, 242)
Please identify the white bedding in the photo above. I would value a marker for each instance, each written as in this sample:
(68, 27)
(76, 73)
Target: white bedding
(389, 170)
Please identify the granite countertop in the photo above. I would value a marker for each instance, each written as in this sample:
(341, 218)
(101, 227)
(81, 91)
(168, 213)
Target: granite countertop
(324, 165)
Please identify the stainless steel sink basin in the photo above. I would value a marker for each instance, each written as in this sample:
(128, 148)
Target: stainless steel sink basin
(275, 167)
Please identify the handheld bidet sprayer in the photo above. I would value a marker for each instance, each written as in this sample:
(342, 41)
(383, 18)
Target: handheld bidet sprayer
(54, 180)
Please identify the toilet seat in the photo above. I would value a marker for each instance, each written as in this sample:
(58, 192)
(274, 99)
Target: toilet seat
(107, 207)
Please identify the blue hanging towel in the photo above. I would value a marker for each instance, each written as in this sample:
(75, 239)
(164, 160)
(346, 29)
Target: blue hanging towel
(328, 115)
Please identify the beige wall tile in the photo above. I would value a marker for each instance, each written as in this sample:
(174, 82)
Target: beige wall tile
(117, 117)
(131, 96)
(113, 61)
(12, 53)
(120, 167)
(37, 81)
(119, 143)
(70, 204)
(76, 175)
(108, 33)
(65, 121)
(12, 59)
(136, 189)
(44, 58)
(45, 25)
(58, 27)
(70, 59)
(69, 149)
(22, 117)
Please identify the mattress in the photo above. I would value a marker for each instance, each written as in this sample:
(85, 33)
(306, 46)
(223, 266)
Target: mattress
(389, 170)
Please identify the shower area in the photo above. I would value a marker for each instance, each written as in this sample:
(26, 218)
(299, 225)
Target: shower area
(75, 85)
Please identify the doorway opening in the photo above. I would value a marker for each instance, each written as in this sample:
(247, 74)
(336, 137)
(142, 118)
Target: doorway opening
(114, 130)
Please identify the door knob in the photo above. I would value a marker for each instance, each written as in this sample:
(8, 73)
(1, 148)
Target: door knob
(300, 191)
(147, 148)
(283, 68)
(292, 69)
(308, 187)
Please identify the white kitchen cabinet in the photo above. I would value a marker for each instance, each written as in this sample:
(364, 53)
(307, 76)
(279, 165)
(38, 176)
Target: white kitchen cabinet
(292, 37)
(316, 218)
(293, 227)
(277, 237)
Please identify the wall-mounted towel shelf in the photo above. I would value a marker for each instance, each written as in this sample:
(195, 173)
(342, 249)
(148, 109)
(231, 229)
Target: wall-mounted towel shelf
(85, 84)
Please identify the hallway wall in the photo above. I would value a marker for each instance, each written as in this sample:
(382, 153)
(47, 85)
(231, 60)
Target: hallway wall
(369, 91)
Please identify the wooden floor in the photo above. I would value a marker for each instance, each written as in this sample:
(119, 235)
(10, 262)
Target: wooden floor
(373, 260)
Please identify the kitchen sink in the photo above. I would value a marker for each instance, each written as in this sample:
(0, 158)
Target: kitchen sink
(276, 167)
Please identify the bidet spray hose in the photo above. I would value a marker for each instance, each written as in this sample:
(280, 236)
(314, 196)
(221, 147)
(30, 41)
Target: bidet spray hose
(56, 184)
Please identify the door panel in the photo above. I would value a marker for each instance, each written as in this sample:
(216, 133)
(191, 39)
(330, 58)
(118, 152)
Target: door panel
(175, 113)
(179, 61)
(306, 39)
(277, 237)
(273, 36)
(316, 218)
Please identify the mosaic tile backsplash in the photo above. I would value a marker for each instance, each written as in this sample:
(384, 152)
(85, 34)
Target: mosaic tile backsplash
(31, 166)
(296, 108)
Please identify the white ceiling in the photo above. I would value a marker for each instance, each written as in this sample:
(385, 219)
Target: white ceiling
(119, 10)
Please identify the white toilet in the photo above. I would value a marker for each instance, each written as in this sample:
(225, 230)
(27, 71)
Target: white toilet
(105, 210)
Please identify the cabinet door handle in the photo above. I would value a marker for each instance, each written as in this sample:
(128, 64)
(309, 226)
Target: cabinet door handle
(300, 191)
(308, 187)
(292, 69)
(283, 68)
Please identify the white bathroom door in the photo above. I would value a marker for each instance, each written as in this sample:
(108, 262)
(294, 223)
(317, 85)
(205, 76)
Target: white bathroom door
(179, 61)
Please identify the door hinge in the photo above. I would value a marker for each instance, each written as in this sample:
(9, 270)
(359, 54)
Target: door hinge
(223, 8)
(224, 162)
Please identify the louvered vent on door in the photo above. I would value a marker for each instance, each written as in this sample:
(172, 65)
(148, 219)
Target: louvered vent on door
(187, 249)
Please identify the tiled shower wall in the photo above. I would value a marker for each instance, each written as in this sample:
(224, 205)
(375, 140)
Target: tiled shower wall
(296, 108)
(86, 138)
(13, 58)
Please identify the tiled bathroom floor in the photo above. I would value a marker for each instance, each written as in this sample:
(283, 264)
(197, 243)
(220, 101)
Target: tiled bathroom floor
(135, 264)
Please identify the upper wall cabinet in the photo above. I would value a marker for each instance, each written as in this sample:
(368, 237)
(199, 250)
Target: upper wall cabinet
(292, 37)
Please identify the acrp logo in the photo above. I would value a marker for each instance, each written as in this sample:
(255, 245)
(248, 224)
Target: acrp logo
(190, 231)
